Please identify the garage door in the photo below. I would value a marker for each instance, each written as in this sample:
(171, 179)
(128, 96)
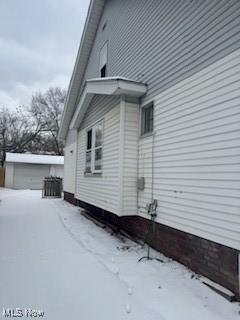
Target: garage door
(29, 176)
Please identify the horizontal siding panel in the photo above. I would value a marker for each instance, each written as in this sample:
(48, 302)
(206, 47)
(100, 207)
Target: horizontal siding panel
(165, 169)
(227, 152)
(196, 152)
(187, 103)
(226, 226)
(200, 134)
(229, 176)
(201, 212)
(184, 88)
(222, 101)
(204, 140)
(226, 107)
(190, 199)
(203, 161)
(231, 145)
(228, 204)
(202, 124)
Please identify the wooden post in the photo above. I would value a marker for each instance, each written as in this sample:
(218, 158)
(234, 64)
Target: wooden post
(2, 177)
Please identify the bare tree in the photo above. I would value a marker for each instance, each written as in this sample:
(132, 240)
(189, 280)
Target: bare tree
(46, 108)
(17, 130)
(33, 129)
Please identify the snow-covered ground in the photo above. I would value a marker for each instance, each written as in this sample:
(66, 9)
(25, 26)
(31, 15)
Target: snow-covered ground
(55, 260)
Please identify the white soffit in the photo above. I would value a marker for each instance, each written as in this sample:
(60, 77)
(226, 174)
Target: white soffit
(106, 86)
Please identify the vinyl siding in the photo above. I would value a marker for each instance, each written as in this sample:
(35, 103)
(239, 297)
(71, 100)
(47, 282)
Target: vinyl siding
(188, 54)
(164, 42)
(196, 152)
(9, 175)
(130, 159)
(70, 153)
(99, 106)
(101, 191)
(145, 170)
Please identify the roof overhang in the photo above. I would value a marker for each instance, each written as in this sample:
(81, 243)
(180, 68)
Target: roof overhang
(105, 86)
(34, 158)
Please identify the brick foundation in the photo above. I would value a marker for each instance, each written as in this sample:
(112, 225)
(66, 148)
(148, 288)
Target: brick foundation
(217, 262)
(69, 197)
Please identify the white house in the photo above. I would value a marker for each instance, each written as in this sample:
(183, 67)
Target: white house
(27, 171)
(152, 121)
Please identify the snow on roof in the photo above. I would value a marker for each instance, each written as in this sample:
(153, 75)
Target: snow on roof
(34, 158)
(111, 78)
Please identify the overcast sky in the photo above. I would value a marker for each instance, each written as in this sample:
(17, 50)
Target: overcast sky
(38, 46)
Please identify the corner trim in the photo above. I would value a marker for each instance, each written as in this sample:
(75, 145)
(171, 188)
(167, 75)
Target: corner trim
(239, 274)
(121, 152)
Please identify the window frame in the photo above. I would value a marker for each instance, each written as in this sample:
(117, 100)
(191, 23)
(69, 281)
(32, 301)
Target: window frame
(93, 148)
(103, 60)
(88, 150)
(144, 133)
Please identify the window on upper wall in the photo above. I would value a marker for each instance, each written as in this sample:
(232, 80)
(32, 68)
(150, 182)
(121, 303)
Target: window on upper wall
(147, 119)
(104, 26)
(103, 71)
(103, 60)
(94, 147)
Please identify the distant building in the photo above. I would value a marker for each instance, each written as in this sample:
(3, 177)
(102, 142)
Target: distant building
(27, 171)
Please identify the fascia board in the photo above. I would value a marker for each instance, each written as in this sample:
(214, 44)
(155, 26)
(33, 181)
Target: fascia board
(92, 20)
(109, 87)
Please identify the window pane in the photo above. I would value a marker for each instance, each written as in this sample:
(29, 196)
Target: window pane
(103, 72)
(146, 124)
(103, 56)
(147, 119)
(142, 121)
(98, 159)
(89, 139)
(98, 135)
(151, 119)
(88, 161)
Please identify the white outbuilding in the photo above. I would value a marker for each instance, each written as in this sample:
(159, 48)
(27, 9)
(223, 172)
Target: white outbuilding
(27, 171)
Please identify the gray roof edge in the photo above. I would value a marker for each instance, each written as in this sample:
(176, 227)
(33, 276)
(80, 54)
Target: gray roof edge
(93, 17)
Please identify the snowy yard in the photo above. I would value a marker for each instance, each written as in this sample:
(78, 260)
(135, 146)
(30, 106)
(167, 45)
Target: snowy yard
(55, 260)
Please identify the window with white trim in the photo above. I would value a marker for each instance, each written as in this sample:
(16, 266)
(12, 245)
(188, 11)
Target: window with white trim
(94, 147)
(147, 119)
